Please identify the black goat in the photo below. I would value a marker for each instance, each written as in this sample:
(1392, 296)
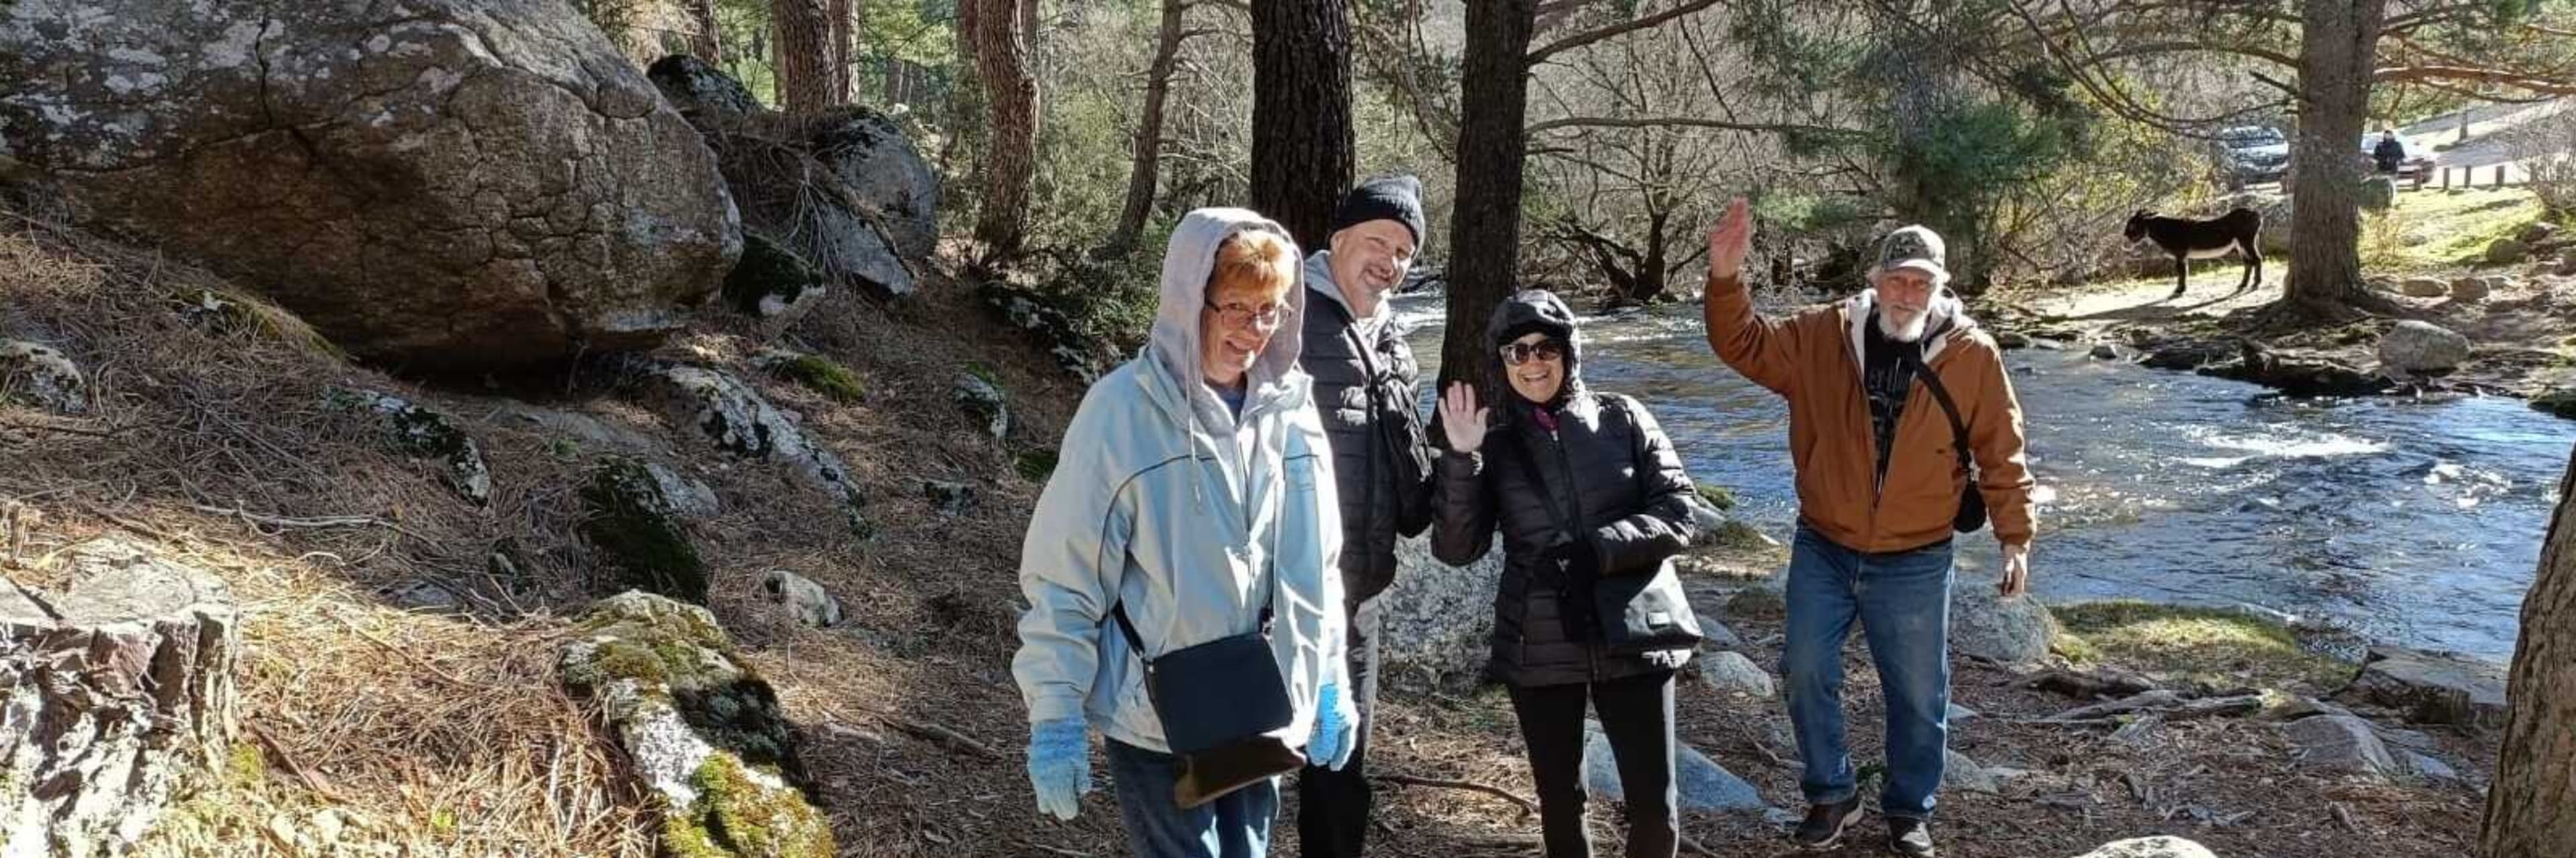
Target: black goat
(2189, 239)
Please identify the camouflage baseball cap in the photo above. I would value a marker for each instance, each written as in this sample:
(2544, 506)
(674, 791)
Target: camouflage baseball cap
(1916, 247)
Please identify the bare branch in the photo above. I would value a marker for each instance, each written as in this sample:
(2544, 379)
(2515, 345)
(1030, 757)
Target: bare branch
(1687, 122)
(2505, 77)
(1541, 53)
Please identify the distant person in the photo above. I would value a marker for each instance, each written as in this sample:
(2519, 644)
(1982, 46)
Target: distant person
(1364, 389)
(1192, 507)
(2389, 154)
(1881, 485)
(1585, 488)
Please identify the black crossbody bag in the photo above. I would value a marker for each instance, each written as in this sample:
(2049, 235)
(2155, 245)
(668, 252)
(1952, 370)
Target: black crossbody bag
(1636, 614)
(1218, 702)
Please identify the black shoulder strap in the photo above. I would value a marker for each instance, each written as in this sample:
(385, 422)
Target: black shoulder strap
(1932, 380)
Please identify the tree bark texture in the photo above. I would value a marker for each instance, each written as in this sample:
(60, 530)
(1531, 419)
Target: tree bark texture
(2531, 807)
(1485, 231)
(2338, 48)
(804, 54)
(1301, 113)
(112, 696)
(1011, 96)
(707, 42)
(841, 89)
(1147, 170)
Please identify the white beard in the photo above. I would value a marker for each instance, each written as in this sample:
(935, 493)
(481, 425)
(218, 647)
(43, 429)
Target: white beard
(1911, 332)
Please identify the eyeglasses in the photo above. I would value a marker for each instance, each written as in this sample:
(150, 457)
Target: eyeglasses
(1238, 316)
(1515, 354)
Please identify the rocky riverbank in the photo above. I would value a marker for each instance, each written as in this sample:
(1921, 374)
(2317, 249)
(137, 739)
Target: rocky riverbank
(2074, 726)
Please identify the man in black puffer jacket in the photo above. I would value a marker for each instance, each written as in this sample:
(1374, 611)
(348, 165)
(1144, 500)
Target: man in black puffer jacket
(1364, 387)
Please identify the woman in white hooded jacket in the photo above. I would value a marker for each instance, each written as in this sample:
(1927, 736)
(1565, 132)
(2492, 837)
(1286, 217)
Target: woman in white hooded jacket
(1190, 492)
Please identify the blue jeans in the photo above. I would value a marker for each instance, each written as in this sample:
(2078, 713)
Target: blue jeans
(1236, 825)
(1902, 601)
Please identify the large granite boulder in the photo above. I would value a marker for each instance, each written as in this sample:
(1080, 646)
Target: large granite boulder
(1983, 624)
(1436, 619)
(434, 183)
(845, 189)
(2415, 348)
(111, 697)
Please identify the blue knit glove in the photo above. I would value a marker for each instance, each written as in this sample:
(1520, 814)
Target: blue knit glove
(1060, 765)
(1336, 730)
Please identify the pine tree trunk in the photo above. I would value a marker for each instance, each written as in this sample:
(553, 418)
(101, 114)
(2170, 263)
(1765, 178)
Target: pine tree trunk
(708, 42)
(2531, 807)
(804, 52)
(2338, 48)
(839, 10)
(1485, 232)
(1301, 113)
(1147, 171)
(993, 28)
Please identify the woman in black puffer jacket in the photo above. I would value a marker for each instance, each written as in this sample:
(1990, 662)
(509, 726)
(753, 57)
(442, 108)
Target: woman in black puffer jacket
(1600, 461)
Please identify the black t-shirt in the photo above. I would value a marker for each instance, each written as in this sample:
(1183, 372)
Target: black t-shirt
(1886, 378)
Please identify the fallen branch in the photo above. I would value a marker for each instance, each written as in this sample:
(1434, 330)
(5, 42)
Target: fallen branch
(2157, 699)
(936, 735)
(2095, 683)
(1527, 806)
(311, 781)
(1774, 759)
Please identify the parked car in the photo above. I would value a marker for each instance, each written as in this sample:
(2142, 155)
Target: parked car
(2415, 164)
(2252, 155)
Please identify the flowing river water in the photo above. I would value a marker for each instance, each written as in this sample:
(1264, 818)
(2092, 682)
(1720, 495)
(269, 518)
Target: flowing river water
(2417, 523)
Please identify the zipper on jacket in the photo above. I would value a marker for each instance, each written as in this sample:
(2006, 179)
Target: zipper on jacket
(1574, 502)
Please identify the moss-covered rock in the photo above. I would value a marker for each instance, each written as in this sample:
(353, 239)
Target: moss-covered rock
(980, 396)
(954, 499)
(2559, 402)
(637, 531)
(1718, 496)
(1037, 465)
(738, 816)
(742, 422)
(41, 376)
(704, 732)
(814, 372)
(421, 433)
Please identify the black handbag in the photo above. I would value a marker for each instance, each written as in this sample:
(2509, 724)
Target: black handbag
(1218, 702)
(1635, 614)
(1972, 503)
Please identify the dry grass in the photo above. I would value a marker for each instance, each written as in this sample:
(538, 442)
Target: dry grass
(447, 735)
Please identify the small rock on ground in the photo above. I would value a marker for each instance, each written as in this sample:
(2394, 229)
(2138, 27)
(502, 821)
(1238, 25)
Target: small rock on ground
(808, 601)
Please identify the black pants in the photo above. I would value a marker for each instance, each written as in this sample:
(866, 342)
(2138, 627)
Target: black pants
(1333, 807)
(1637, 716)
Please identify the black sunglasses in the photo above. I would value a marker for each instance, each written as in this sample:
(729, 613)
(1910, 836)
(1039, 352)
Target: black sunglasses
(1515, 354)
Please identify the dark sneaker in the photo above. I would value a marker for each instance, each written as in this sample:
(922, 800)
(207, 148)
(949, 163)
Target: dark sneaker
(1909, 837)
(1826, 823)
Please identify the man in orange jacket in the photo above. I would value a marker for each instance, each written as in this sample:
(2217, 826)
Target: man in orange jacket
(1884, 467)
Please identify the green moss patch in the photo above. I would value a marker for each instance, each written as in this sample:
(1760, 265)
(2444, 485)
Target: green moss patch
(1718, 496)
(737, 816)
(1037, 465)
(819, 374)
(2214, 645)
